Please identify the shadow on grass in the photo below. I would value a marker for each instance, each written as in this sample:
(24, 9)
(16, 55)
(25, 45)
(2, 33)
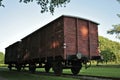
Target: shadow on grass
(24, 75)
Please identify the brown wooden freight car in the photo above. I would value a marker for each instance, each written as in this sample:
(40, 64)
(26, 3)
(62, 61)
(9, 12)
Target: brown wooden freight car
(66, 42)
(13, 55)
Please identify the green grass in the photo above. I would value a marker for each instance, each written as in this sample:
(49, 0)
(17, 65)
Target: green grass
(14, 75)
(105, 71)
(99, 71)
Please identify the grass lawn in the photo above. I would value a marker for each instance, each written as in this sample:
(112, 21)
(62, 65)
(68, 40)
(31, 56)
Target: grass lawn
(100, 71)
(94, 71)
(14, 75)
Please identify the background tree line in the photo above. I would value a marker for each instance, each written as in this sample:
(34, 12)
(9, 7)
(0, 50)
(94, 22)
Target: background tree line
(110, 50)
(1, 58)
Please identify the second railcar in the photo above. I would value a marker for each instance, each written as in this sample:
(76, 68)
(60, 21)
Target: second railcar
(66, 42)
(13, 55)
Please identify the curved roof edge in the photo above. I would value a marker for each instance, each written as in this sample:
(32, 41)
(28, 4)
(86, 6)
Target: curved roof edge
(80, 18)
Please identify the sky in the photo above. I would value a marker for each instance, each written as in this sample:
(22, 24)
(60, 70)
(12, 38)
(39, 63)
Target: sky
(17, 20)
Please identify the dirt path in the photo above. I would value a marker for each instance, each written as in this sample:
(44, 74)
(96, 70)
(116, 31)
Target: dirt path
(1, 78)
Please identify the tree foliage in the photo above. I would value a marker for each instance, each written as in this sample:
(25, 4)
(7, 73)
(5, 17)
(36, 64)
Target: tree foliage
(1, 3)
(116, 28)
(46, 5)
(110, 50)
(1, 58)
(108, 55)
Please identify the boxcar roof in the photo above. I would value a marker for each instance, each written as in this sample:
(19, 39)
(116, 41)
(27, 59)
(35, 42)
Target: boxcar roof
(13, 44)
(80, 18)
(58, 18)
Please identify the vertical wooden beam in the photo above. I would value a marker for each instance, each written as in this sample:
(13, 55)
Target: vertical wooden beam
(77, 36)
(89, 42)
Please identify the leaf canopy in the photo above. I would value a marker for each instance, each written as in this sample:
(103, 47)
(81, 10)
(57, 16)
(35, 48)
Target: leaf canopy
(46, 5)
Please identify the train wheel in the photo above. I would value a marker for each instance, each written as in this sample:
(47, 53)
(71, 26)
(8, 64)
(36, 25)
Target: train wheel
(57, 68)
(32, 68)
(76, 67)
(18, 67)
(10, 67)
(47, 67)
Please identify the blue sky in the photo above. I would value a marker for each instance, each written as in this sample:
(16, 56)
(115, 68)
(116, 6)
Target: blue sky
(18, 19)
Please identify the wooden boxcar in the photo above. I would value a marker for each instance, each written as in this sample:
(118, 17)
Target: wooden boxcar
(66, 42)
